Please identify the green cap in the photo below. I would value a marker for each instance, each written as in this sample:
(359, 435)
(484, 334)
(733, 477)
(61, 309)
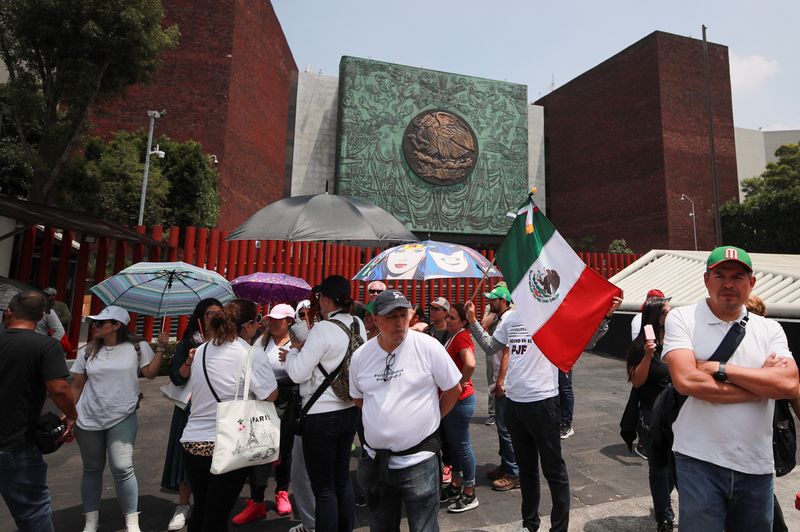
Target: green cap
(729, 253)
(499, 292)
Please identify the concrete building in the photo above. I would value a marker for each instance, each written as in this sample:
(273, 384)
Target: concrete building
(756, 148)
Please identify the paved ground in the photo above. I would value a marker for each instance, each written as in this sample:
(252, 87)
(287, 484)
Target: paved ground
(609, 485)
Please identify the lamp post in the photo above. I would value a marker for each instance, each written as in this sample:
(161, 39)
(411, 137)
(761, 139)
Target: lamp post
(694, 223)
(153, 115)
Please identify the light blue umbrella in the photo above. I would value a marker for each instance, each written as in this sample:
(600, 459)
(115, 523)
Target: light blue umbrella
(162, 288)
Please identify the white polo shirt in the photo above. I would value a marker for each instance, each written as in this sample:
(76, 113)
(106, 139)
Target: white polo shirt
(403, 410)
(531, 376)
(735, 436)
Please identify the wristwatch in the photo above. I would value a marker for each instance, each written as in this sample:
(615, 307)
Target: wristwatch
(720, 374)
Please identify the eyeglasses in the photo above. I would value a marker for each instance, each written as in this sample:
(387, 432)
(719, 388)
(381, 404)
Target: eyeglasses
(257, 320)
(374, 291)
(389, 363)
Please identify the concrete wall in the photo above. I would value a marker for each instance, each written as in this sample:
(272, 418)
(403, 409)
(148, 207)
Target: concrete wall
(756, 148)
(536, 175)
(314, 157)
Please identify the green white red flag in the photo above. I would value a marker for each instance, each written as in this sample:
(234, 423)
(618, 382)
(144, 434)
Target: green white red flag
(558, 297)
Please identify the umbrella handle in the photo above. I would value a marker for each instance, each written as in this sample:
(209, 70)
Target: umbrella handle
(483, 280)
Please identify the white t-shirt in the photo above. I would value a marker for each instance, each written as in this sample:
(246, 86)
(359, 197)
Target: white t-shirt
(326, 344)
(224, 364)
(636, 324)
(271, 352)
(736, 436)
(531, 376)
(497, 356)
(404, 410)
(112, 384)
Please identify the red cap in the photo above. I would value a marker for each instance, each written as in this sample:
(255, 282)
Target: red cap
(655, 292)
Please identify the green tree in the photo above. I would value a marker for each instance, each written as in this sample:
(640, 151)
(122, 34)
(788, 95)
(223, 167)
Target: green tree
(768, 219)
(619, 246)
(63, 56)
(193, 197)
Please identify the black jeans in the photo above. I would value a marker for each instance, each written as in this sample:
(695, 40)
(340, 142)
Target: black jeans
(535, 434)
(214, 495)
(259, 475)
(566, 397)
(327, 439)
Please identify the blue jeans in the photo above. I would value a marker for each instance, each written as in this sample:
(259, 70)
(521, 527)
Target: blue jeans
(23, 485)
(507, 458)
(116, 442)
(456, 424)
(417, 487)
(566, 397)
(327, 438)
(715, 498)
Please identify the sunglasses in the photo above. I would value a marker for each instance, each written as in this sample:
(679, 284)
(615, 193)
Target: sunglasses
(258, 319)
(301, 315)
(389, 363)
(374, 291)
(100, 323)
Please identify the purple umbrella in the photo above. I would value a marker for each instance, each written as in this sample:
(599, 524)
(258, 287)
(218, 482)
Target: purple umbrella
(270, 288)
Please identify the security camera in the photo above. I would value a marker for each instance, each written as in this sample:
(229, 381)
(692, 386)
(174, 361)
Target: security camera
(158, 153)
(156, 114)
(213, 159)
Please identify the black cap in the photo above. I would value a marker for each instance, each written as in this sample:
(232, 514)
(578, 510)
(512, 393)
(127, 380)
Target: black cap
(335, 287)
(388, 300)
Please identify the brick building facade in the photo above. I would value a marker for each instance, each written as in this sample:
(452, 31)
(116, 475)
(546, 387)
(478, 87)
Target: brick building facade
(625, 139)
(229, 84)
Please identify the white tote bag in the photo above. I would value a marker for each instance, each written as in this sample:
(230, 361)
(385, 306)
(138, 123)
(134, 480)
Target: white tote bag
(248, 430)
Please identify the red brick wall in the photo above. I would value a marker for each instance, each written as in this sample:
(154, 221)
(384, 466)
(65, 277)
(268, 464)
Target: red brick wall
(226, 85)
(626, 138)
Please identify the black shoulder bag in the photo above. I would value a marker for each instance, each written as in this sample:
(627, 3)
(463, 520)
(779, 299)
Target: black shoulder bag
(669, 402)
(784, 438)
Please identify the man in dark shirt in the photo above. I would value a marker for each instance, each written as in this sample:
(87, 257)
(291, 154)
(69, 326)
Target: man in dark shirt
(31, 365)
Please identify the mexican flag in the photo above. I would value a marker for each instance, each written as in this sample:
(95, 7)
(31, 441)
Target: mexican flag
(559, 298)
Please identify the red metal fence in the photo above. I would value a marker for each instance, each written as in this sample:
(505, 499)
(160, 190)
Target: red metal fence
(93, 259)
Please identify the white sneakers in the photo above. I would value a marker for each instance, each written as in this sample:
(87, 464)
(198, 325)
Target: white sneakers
(92, 519)
(132, 522)
(300, 528)
(180, 517)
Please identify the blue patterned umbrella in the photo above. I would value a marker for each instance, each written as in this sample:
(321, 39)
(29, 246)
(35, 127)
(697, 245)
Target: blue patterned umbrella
(162, 288)
(427, 260)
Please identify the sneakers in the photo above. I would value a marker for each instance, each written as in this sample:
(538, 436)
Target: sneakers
(252, 512)
(180, 517)
(665, 526)
(640, 451)
(282, 504)
(464, 502)
(506, 483)
(566, 431)
(489, 422)
(300, 528)
(361, 500)
(449, 494)
(497, 472)
(447, 474)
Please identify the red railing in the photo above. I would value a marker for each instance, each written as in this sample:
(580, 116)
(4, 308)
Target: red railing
(36, 263)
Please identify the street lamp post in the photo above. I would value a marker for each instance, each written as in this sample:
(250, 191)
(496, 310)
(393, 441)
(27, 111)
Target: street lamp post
(153, 115)
(694, 223)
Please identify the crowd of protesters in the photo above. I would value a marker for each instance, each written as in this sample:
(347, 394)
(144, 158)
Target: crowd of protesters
(401, 381)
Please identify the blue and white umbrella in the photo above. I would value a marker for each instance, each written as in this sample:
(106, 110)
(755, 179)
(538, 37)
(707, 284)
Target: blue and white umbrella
(427, 260)
(162, 288)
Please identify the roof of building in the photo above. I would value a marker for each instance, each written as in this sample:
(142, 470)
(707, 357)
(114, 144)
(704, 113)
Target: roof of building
(679, 274)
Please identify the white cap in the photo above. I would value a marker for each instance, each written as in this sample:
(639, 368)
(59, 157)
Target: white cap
(303, 304)
(281, 311)
(112, 313)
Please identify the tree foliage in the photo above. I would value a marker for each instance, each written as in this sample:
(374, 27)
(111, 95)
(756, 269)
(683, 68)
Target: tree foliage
(768, 219)
(619, 246)
(63, 56)
(107, 182)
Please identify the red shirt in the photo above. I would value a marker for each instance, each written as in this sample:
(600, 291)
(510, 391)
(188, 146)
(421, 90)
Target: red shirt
(462, 340)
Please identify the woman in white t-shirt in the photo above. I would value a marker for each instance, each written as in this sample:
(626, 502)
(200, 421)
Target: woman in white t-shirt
(213, 371)
(105, 384)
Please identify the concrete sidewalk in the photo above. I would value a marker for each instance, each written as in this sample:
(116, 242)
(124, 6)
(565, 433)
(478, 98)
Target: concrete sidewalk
(609, 485)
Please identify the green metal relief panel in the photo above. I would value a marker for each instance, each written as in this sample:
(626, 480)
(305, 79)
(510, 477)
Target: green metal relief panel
(457, 168)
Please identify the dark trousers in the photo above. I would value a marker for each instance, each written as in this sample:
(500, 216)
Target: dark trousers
(566, 397)
(23, 485)
(214, 495)
(327, 439)
(259, 475)
(661, 485)
(535, 434)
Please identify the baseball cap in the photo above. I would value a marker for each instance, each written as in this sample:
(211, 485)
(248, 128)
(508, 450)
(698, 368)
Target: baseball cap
(654, 292)
(50, 291)
(441, 302)
(112, 312)
(334, 286)
(728, 253)
(388, 300)
(498, 292)
(281, 311)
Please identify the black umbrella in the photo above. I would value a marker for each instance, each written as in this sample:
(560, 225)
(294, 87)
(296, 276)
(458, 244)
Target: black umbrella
(323, 217)
(11, 287)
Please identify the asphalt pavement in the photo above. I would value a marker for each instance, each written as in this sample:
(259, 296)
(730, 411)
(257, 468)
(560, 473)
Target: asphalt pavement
(608, 483)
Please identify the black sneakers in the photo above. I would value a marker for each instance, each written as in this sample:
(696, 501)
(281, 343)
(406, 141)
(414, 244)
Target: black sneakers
(449, 494)
(464, 502)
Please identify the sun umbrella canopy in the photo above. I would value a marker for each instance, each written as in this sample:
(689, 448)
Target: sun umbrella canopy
(323, 217)
(162, 288)
(271, 288)
(11, 287)
(427, 260)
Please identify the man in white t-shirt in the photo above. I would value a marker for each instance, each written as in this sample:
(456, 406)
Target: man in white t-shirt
(395, 378)
(723, 434)
(533, 414)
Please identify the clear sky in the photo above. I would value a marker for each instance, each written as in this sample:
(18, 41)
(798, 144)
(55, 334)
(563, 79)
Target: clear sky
(537, 42)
